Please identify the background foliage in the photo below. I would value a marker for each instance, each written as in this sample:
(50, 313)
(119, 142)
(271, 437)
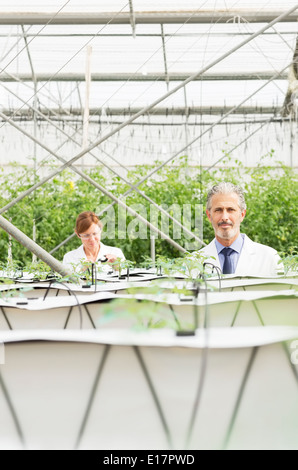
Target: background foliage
(271, 195)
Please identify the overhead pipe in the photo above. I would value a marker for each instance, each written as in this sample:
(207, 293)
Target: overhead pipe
(140, 77)
(153, 17)
(177, 111)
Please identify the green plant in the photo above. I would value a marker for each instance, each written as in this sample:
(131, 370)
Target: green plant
(271, 196)
(290, 264)
(38, 267)
(192, 265)
(142, 315)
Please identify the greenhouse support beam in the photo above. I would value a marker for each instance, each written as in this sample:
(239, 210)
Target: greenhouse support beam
(86, 109)
(150, 107)
(33, 247)
(66, 34)
(132, 18)
(153, 17)
(139, 77)
(165, 60)
(35, 124)
(289, 107)
(73, 113)
(133, 188)
(167, 112)
(93, 183)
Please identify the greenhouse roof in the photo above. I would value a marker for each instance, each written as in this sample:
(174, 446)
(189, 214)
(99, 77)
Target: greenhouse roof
(138, 51)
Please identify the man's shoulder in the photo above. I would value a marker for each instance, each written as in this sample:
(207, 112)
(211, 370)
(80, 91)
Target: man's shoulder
(208, 252)
(258, 247)
(248, 244)
(208, 248)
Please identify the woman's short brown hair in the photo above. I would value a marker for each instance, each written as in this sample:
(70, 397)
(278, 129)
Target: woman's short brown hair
(85, 220)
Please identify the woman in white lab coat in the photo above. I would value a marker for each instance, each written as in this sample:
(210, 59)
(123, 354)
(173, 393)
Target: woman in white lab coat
(88, 229)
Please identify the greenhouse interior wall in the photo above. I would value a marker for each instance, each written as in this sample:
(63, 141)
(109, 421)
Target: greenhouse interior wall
(246, 142)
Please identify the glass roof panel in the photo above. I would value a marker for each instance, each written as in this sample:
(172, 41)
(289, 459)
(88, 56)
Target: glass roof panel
(130, 72)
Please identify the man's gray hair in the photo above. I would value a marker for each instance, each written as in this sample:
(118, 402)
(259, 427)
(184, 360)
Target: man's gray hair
(226, 188)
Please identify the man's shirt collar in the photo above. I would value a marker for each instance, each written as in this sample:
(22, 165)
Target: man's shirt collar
(237, 245)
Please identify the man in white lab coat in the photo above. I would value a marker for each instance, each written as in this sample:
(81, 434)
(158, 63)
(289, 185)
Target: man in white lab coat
(231, 251)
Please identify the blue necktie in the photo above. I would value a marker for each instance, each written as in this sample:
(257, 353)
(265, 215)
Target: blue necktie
(227, 266)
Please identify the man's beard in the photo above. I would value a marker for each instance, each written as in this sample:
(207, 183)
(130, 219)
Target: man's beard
(226, 234)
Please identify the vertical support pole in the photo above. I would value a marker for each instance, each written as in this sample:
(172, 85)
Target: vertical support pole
(132, 18)
(34, 257)
(153, 257)
(165, 56)
(9, 251)
(186, 127)
(35, 106)
(34, 234)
